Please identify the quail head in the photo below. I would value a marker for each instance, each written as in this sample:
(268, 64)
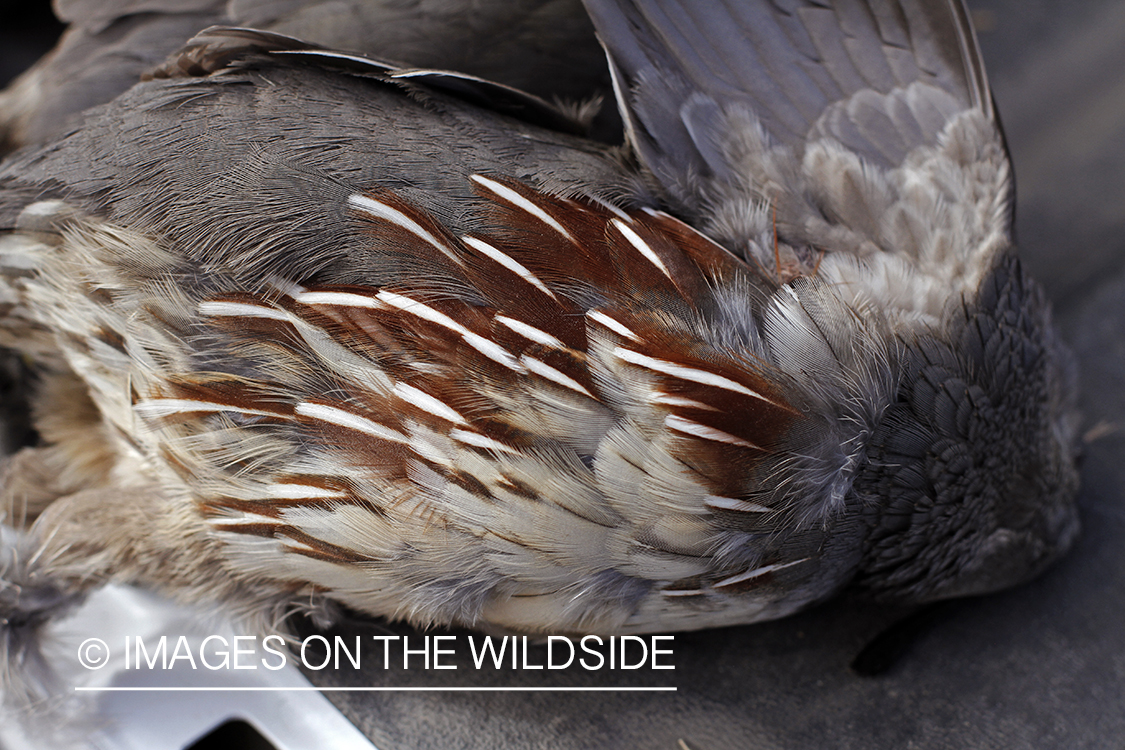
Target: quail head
(314, 327)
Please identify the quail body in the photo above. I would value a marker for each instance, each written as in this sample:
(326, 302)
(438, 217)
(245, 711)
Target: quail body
(313, 329)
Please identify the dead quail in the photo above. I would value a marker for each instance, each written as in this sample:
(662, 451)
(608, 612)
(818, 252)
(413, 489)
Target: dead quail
(317, 328)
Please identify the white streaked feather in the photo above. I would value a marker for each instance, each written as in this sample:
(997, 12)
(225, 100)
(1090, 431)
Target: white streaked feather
(611, 208)
(513, 197)
(531, 333)
(681, 592)
(338, 299)
(641, 246)
(669, 399)
(166, 407)
(222, 309)
(508, 262)
(295, 491)
(619, 328)
(336, 526)
(383, 211)
(683, 372)
(349, 420)
(493, 351)
(544, 370)
(481, 441)
(488, 348)
(284, 285)
(733, 503)
(421, 310)
(756, 572)
(428, 403)
(695, 429)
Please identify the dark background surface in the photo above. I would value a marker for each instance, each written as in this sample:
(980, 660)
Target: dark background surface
(27, 30)
(1042, 666)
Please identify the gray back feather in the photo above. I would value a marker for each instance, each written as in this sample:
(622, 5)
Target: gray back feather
(546, 47)
(234, 183)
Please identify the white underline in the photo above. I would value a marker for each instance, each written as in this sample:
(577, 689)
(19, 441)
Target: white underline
(376, 689)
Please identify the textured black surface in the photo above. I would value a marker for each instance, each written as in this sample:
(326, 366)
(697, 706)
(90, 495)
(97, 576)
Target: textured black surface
(27, 31)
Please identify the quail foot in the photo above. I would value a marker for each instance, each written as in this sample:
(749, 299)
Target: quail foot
(316, 331)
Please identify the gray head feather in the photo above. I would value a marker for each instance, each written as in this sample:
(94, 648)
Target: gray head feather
(971, 474)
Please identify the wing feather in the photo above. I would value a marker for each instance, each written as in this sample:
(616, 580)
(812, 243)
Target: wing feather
(880, 77)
